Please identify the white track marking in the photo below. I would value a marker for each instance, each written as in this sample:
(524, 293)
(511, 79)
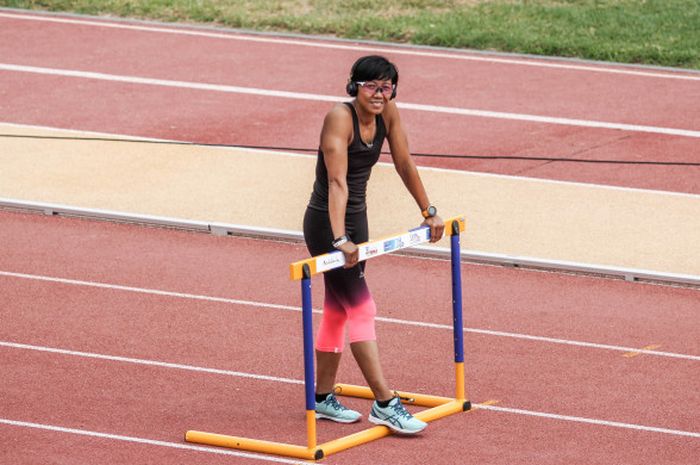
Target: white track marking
(486, 332)
(166, 82)
(592, 421)
(150, 442)
(142, 290)
(591, 345)
(367, 47)
(550, 120)
(140, 361)
(330, 98)
(268, 378)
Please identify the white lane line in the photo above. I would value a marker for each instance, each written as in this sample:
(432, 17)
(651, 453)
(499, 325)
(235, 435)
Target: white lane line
(268, 378)
(486, 332)
(330, 98)
(592, 421)
(142, 290)
(550, 120)
(150, 442)
(140, 361)
(591, 345)
(166, 83)
(377, 48)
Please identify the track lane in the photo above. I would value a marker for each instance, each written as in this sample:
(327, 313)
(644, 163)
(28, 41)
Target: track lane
(219, 336)
(243, 119)
(151, 398)
(540, 433)
(121, 51)
(211, 117)
(495, 298)
(108, 398)
(555, 379)
(33, 443)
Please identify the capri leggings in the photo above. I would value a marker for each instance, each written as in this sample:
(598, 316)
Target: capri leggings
(347, 297)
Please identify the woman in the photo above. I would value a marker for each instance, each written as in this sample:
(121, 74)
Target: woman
(336, 219)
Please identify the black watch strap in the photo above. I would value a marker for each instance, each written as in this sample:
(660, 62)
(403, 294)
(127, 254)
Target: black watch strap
(340, 241)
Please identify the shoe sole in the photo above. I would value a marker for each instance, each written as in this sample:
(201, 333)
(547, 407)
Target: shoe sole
(321, 416)
(393, 427)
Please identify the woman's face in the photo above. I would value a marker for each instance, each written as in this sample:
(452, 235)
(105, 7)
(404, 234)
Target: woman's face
(373, 95)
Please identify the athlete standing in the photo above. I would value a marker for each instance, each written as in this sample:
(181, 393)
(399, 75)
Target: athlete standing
(336, 219)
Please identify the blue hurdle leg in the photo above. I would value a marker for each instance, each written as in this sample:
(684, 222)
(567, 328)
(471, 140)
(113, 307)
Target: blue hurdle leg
(307, 324)
(457, 326)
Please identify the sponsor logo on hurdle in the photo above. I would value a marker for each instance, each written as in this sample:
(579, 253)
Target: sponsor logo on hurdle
(327, 262)
(415, 239)
(393, 244)
(332, 259)
(371, 251)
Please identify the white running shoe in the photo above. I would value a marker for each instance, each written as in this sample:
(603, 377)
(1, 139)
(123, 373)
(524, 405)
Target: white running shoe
(332, 409)
(396, 417)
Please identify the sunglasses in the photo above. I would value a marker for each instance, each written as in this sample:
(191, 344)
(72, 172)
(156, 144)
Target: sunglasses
(372, 87)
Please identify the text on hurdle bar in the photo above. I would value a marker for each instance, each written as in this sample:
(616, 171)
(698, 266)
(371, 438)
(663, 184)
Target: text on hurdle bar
(371, 249)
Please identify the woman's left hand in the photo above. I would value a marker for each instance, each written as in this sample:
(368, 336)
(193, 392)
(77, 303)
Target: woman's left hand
(437, 227)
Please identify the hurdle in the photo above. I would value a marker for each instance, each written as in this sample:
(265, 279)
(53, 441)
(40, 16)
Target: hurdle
(437, 406)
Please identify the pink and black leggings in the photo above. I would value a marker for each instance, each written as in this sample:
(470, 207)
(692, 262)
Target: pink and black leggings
(347, 298)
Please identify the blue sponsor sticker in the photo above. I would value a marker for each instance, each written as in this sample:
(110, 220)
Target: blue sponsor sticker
(390, 245)
(393, 244)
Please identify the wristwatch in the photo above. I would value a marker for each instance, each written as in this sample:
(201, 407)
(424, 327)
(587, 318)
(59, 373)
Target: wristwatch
(340, 241)
(429, 212)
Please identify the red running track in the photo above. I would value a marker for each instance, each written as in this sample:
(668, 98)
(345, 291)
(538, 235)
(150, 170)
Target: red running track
(598, 92)
(258, 337)
(157, 402)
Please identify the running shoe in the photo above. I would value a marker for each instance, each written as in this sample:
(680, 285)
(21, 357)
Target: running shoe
(396, 417)
(331, 409)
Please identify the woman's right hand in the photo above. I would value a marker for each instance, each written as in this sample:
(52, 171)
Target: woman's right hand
(351, 252)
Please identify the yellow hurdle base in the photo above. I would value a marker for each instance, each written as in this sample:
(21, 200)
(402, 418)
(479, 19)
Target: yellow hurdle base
(371, 434)
(439, 407)
(253, 445)
(412, 398)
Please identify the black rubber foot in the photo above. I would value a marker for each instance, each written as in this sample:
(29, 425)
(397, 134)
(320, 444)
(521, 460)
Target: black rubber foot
(319, 454)
(466, 406)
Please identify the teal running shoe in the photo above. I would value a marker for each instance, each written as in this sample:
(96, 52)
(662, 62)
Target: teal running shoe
(396, 417)
(331, 409)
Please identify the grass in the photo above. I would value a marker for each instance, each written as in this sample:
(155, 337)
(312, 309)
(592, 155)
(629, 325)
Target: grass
(659, 32)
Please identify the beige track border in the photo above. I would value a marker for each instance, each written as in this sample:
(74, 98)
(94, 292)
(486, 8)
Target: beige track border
(517, 221)
(470, 256)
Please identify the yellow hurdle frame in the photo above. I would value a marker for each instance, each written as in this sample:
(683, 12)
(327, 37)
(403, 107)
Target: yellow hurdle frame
(438, 407)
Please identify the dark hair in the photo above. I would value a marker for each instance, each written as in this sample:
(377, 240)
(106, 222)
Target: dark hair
(374, 67)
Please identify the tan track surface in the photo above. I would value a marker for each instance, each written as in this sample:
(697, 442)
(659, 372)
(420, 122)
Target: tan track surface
(649, 230)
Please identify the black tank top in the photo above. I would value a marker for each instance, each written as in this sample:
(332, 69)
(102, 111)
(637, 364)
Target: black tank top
(361, 159)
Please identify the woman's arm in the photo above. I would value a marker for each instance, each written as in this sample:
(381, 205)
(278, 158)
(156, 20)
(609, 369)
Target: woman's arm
(335, 135)
(398, 144)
